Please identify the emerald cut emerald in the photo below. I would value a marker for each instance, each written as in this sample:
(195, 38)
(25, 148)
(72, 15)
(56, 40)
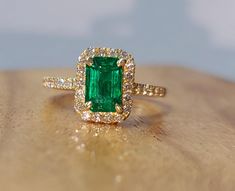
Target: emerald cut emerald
(104, 84)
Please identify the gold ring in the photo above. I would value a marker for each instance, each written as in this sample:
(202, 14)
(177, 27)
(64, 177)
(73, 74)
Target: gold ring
(104, 85)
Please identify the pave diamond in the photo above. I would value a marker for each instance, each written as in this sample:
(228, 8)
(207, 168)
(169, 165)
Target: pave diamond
(104, 84)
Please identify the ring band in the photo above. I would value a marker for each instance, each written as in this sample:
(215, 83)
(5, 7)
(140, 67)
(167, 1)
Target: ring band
(104, 85)
(60, 83)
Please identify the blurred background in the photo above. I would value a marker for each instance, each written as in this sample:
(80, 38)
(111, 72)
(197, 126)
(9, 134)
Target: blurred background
(198, 34)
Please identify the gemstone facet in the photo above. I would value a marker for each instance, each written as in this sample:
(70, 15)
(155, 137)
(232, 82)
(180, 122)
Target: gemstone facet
(104, 84)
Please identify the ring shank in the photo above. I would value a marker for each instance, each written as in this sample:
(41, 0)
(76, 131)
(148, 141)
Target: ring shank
(148, 90)
(61, 83)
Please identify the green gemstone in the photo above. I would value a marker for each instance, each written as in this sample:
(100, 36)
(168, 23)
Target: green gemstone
(104, 84)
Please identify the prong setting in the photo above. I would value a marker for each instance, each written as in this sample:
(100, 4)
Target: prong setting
(121, 62)
(118, 109)
(89, 61)
(88, 105)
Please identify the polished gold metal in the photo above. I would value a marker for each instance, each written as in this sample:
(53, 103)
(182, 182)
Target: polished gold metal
(121, 62)
(88, 105)
(89, 61)
(118, 108)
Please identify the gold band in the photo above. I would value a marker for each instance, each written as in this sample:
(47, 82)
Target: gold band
(59, 83)
(70, 84)
(148, 90)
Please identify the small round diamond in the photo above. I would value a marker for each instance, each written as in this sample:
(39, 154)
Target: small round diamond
(127, 97)
(112, 53)
(79, 93)
(124, 54)
(128, 76)
(61, 82)
(86, 116)
(97, 117)
(118, 118)
(108, 118)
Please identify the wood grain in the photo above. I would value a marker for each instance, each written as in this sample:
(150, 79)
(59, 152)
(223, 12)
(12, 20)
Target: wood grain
(183, 142)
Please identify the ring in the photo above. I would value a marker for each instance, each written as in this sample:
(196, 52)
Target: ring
(104, 85)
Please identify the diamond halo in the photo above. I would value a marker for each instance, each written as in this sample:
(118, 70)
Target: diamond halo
(128, 66)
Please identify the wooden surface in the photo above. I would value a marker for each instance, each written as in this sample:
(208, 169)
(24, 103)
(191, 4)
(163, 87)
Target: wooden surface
(183, 142)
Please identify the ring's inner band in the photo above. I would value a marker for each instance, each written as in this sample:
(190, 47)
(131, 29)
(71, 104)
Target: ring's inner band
(70, 84)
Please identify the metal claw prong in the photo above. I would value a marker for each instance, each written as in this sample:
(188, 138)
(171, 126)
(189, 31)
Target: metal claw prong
(89, 61)
(88, 105)
(118, 109)
(121, 62)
